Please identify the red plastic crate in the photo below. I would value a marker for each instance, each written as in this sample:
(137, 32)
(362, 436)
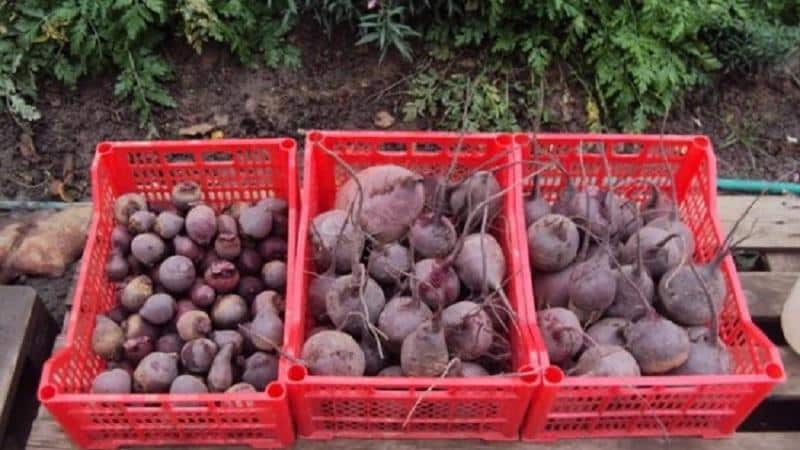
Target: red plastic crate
(227, 170)
(708, 406)
(324, 407)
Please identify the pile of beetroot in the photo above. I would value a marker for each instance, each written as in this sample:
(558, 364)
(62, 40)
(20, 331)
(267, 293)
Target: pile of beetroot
(409, 278)
(200, 296)
(617, 289)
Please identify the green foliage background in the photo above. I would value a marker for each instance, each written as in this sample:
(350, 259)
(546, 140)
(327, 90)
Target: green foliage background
(635, 58)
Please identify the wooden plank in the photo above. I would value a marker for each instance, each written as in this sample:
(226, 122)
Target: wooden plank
(18, 304)
(739, 441)
(766, 291)
(775, 217)
(783, 261)
(791, 364)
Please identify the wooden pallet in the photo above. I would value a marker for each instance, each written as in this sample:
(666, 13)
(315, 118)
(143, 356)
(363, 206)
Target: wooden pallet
(774, 425)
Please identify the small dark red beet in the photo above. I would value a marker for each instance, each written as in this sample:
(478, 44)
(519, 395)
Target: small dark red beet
(222, 276)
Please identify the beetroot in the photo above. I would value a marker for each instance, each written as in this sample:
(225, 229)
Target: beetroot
(184, 246)
(235, 209)
(683, 294)
(707, 355)
(228, 245)
(202, 295)
(273, 274)
(436, 283)
(148, 248)
(169, 343)
(273, 248)
(388, 263)
(657, 344)
(197, 355)
(468, 330)
(391, 371)
(481, 263)
(552, 242)
(227, 224)
(135, 326)
(660, 250)
(183, 306)
(222, 337)
(635, 291)
(392, 198)
(535, 207)
(480, 188)
(424, 351)
(220, 376)
(201, 224)
(222, 276)
(155, 372)
(188, 384)
(158, 309)
(260, 369)
(141, 222)
(168, 225)
(265, 332)
(467, 369)
(127, 204)
(318, 289)
(606, 361)
(117, 267)
(551, 289)
(249, 287)
(121, 239)
(229, 311)
(249, 261)
(334, 238)
(193, 325)
(672, 225)
(186, 194)
(114, 381)
(137, 348)
(176, 274)
(562, 333)
(593, 286)
(345, 306)
(241, 388)
(255, 222)
(107, 338)
(374, 360)
(400, 317)
(333, 353)
(432, 235)
(267, 301)
(607, 331)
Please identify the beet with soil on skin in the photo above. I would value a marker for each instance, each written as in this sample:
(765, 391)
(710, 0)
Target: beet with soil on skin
(185, 195)
(274, 205)
(265, 332)
(707, 355)
(535, 209)
(222, 337)
(184, 246)
(176, 274)
(552, 242)
(201, 294)
(400, 317)
(260, 369)
(201, 224)
(127, 204)
(220, 376)
(388, 263)
(114, 381)
(344, 304)
(158, 309)
(318, 289)
(391, 371)
(607, 331)
(432, 235)
(197, 355)
(193, 325)
(658, 344)
(266, 301)
(183, 306)
(335, 239)
(249, 287)
(469, 194)
(168, 225)
(606, 361)
(107, 338)
(424, 352)
(481, 256)
(468, 330)
(683, 296)
(551, 289)
(169, 343)
(121, 239)
(137, 348)
(229, 311)
(467, 369)
(222, 276)
(255, 222)
(155, 372)
(436, 282)
(333, 353)
(188, 384)
(228, 246)
(227, 224)
(141, 222)
(136, 292)
(373, 362)
(593, 286)
(148, 248)
(562, 333)
(634, 289)
(273, 274)
(117, 267)
(241, 388)
(135, 326)
(660, 251)
(249, 262)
